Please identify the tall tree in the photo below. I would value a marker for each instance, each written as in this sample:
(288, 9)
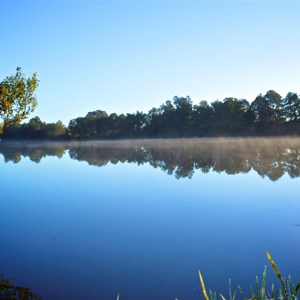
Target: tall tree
(274, 101)
(183, 115)
(17, 98)
(291, 107)
(267, 110)
(203, 118)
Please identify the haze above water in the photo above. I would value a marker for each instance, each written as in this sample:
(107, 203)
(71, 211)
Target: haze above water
(89, 220)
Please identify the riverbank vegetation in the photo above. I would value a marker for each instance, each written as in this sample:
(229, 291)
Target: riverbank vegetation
(269, 114)
(287, 291)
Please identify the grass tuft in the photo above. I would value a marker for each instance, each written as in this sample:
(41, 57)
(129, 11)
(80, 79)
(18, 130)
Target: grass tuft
(287, 292)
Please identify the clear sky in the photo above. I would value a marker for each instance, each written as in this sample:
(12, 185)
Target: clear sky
(124, 56)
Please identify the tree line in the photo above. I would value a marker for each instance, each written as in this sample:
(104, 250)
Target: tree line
(269, 114)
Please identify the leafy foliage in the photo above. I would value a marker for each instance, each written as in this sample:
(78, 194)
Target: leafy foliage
(36, 129)
(17, 99)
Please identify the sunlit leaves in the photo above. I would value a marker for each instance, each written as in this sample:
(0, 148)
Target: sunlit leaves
(17, 98)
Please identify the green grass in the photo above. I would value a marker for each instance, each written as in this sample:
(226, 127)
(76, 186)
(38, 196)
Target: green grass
(287, 291)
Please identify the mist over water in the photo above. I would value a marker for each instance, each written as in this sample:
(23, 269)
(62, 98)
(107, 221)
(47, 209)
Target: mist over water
(89, 220)
(270, 157)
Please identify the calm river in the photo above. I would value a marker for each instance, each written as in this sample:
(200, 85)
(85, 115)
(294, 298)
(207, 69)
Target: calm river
(91, 220)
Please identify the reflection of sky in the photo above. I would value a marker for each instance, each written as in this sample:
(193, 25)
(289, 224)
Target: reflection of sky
(133, 229)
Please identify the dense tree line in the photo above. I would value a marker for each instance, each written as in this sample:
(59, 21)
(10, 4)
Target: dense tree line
(269, 114)
(36, 129)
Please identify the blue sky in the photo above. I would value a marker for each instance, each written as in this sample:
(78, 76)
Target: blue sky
(124, 56)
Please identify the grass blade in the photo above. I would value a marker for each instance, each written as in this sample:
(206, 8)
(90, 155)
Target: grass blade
(263, 285)
(234, 294)
(203, 287)
(223, 298)
(297, 289)
(242, 293)
(276, 270)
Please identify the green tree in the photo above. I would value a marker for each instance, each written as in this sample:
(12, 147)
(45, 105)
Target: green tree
(267, 110)
(55, 130)
(291, 104)
(203, 114)
(153, 122)
(183, 115)
(17, 98)
(167, 111)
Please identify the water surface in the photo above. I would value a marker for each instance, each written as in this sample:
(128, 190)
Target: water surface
(89, 220)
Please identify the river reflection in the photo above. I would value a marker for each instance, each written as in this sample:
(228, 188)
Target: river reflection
(104, 220)
(270, 157)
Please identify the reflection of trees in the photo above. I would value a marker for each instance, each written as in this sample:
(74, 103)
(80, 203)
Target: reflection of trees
(268, 157)
(35, 151)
